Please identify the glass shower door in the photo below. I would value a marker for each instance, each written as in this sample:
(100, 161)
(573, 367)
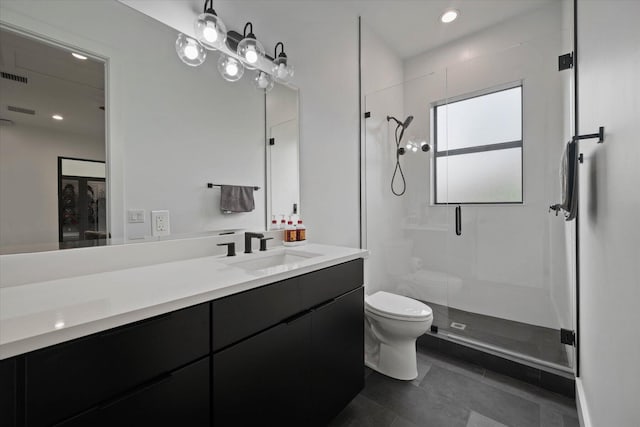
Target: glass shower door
(504, 139)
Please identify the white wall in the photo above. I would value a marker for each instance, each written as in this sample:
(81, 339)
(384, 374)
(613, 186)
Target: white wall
(320, 39)
(609, 90)
(172, 128)
(29, 182)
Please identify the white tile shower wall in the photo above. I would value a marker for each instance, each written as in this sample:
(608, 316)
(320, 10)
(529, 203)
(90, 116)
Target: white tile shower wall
(382, 68)
(165, 141)
(502, 265)
(609, 90)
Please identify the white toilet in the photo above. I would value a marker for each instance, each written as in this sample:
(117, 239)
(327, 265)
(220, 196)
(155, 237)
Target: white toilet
(392, 325)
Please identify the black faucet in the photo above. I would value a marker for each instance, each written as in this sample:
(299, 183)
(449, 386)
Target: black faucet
(247, 240)
(263, 243)
(231, 248)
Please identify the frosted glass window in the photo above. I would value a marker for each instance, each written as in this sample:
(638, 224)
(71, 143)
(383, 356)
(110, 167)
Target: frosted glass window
(486, 177)
(478, 149)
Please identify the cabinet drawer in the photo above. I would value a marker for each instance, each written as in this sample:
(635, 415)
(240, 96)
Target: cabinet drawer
(180, 399)
(326, 284)
(242, 315)
(68, 378)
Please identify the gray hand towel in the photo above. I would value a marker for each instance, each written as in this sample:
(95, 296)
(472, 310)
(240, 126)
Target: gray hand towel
(236, 198)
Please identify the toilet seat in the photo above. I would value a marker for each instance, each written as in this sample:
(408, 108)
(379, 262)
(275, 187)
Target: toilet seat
(397, 307)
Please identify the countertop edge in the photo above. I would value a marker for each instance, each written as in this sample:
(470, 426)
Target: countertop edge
(37, 342)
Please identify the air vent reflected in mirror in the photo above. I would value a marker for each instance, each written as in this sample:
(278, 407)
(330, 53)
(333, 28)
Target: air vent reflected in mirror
(21, 110)
(14, 77)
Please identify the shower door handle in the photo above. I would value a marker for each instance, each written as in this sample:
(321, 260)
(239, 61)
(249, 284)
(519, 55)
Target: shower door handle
(458, 221)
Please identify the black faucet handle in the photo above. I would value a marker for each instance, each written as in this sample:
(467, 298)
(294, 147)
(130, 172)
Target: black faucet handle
(263, 243)
(231, 248)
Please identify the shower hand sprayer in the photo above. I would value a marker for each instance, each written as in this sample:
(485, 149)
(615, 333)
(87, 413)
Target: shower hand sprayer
(401, 126)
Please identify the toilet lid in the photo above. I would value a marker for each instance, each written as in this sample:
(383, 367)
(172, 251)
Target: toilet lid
(397, 306)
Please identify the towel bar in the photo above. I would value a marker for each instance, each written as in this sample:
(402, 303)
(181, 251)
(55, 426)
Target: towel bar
(210, 185)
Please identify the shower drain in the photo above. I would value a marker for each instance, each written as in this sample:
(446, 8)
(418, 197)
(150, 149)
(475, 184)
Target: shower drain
(457, 325)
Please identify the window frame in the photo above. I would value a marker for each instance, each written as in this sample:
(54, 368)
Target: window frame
(478, 148)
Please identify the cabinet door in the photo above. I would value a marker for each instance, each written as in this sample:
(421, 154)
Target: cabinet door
(66, 379)
(8, 392)
(180, 399)
(337, 340)
(263, 381)
(322, 285)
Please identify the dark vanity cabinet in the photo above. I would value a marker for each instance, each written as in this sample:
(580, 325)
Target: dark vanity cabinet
(287, 353)
(294, 360)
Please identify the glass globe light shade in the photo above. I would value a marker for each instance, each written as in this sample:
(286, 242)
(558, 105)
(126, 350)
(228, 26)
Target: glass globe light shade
(263, 81)
(230, 68)
(190, 51)
(281, 71)
(210, 31)
(250, 52)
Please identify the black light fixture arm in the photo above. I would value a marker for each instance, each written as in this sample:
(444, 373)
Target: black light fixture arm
(250, 35)
(208, 7)
(282, 56)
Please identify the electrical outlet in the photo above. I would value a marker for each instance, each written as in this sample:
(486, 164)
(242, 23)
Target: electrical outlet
(160, 223)
(135, 216)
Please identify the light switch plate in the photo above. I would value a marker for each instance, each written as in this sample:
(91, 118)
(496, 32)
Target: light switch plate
(135, 216)
(160, 223)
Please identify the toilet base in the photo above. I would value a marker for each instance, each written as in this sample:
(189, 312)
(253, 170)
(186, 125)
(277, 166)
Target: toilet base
(398, 361)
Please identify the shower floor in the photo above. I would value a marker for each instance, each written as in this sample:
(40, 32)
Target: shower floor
(535, 341)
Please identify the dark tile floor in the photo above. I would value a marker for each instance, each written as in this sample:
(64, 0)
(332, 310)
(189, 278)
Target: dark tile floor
(534, 341)
(449, 393)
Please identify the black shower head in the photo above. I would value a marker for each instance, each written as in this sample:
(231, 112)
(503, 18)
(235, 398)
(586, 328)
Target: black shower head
(404, 124)
(407, 122)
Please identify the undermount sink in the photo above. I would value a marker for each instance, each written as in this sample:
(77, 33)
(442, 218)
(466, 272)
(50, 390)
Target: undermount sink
(272, 260)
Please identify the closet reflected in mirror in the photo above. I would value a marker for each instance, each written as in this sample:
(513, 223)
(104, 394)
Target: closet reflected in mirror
(52, 146)
(283, 197)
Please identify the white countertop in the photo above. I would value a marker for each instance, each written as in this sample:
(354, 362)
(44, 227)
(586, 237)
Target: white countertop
(37, 315)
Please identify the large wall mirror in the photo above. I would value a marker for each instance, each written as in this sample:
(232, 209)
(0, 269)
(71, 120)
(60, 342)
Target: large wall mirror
(52, 146)
(170, 130)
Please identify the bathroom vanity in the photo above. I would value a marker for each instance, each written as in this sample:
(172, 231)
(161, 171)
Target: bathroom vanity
(247, 344)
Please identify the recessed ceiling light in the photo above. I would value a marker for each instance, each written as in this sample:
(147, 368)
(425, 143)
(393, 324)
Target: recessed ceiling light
(449, 16)
(57, 117)
(77, 55)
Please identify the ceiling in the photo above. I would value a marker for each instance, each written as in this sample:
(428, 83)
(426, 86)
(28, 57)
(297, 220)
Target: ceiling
(409, 27)
(57, 83)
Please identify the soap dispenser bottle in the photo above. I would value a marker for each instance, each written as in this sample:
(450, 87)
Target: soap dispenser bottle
(283, 223)
(274, 223)
(301, 232)
(290, 233)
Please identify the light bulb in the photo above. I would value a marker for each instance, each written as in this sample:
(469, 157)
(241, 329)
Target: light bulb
(210, 34)
(282, 71)
(408, 145)
(414, 148)
(210, 30)
(232, 69)
(191, 52)
(251, 56)
(263, 81)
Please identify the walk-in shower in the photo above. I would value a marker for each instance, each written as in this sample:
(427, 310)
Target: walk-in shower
(472, 236)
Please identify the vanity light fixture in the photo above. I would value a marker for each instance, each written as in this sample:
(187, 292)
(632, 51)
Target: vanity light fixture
(190, 51)
(237, 51)
(210, 30)
(79, 56)
(230, 68)
(249, 49)
(263, 81)
(449, 16)
(282, 71)
(57, 117)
